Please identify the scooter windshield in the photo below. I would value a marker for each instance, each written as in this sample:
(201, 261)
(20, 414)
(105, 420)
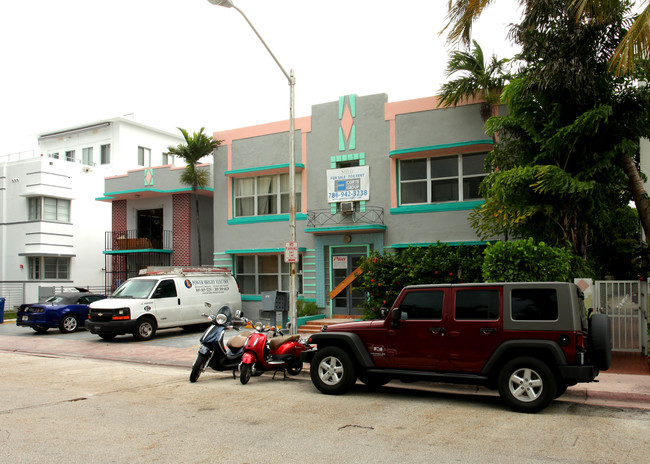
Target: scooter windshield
(225, 310)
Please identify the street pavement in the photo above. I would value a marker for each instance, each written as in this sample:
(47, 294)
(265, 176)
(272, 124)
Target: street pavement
(616, 390)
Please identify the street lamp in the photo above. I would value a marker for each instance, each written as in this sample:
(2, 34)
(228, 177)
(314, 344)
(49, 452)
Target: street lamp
(293, 314)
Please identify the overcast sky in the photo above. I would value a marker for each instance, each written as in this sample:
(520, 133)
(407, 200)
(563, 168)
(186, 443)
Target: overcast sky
(191, 64)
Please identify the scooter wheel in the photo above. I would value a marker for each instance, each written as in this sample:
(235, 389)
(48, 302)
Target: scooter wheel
(198, 366)
(245, 374)
(295, 368)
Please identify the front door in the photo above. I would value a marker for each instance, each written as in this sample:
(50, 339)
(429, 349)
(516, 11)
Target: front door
(348, 302)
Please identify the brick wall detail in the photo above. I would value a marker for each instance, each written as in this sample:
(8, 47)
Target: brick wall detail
(182, 229)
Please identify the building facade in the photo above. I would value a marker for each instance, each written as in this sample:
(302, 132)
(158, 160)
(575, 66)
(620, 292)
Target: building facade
(52, 229)
(370, 175)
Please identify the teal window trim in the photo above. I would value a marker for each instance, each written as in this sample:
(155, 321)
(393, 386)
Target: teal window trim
(437, 207)
(259, 251)
(469, 143)
(313, 230)
(426, 244)
(112, 195)
(261, 169)
(265, 218)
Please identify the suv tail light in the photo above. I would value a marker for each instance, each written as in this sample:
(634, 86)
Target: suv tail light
(581, 348)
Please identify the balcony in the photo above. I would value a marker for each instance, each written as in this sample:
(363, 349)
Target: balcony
(322, 221)
(129, 241)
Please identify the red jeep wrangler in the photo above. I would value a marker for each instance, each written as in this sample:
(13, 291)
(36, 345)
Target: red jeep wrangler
(528, 340)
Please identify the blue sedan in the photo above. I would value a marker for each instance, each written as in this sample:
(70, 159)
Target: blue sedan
(66, 311)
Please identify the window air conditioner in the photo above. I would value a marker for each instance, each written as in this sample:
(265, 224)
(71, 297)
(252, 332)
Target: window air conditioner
(347, 207)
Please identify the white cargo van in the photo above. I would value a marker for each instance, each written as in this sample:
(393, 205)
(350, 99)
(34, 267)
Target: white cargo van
(162, 298)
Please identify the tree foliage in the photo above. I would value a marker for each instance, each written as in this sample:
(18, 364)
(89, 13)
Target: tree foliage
(561, 167)
(196, 146)
(476, 77)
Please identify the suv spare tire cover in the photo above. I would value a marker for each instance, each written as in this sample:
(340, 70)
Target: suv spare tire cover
(600, 341)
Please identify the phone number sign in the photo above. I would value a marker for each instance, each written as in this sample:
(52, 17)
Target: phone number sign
(348, 184)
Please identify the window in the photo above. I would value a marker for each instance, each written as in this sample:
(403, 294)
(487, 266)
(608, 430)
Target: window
(54, 155)
(87, 156)
(477, 305)
(48, 209)
(69, 156)
(534, 304)
(422, 305)
(34, 268)
(144, 156)
(262, 273)
(167, 158)
(441, 179)
(105, 154)
(48, 268)
(261, 195)
(166, 289)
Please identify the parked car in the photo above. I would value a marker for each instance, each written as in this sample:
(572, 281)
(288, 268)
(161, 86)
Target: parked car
(161, 298)
(529, 341)
(66, 311)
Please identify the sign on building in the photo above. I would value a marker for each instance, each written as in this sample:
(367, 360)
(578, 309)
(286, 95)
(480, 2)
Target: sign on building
(348, 184)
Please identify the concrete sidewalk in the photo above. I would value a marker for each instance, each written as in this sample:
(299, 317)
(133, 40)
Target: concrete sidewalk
(617, 390)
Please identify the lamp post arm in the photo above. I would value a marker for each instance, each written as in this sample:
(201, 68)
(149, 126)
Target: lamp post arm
(290, 78)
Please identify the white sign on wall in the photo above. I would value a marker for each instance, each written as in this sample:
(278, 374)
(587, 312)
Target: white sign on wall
(348, 184)
(339, 262)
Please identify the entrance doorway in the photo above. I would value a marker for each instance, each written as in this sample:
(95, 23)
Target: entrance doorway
(150, 225)
(344, 261)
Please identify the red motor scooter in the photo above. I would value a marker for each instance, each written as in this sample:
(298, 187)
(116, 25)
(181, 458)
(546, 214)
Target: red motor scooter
(276, 353)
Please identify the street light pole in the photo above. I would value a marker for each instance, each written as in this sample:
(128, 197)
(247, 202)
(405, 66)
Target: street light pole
(293, 293)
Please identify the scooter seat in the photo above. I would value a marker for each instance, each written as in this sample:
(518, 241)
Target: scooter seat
(275, 342)
(239, 340)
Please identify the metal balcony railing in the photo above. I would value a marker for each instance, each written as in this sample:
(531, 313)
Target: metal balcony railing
(373, 215)
(122, 240)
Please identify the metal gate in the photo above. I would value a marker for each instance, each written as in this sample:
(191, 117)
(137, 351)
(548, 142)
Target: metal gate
(626, 304)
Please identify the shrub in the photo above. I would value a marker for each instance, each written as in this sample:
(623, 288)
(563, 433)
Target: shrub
(307, 308)
(526, 261)
(384, 275)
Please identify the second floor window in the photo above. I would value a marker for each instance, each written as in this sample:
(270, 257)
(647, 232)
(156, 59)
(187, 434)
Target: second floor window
(441, 179)
(49, 209)
(262, 195)
(167, 159)
(87, 156)
(105, 155)
(69, 156)
(144, 156)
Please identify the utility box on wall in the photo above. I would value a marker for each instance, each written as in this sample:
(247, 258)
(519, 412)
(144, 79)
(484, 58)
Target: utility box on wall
(275, 302)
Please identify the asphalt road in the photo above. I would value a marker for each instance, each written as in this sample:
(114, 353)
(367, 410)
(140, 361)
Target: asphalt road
(74, 410)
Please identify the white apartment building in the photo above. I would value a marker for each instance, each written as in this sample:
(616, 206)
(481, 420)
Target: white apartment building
(52, 228)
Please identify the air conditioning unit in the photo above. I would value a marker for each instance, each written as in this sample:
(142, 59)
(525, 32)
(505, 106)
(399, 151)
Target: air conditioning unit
(347, 207)
(86, 169)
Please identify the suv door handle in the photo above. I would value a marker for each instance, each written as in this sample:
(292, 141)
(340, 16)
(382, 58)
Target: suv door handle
(437, 330)
(488, 330)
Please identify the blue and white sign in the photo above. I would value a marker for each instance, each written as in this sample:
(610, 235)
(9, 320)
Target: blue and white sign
(348, 184)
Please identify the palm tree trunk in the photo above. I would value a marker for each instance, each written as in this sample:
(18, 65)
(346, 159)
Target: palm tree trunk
(638, 193)
(198, 224)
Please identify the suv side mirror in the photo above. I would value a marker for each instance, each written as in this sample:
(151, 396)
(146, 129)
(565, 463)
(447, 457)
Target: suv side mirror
(395, 317)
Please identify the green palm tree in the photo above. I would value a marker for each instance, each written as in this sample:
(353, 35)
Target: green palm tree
(461, 15)
(476, 77)
(196, 146)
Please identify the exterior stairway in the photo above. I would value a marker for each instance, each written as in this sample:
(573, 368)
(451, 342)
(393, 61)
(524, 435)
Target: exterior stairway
(315, 326)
